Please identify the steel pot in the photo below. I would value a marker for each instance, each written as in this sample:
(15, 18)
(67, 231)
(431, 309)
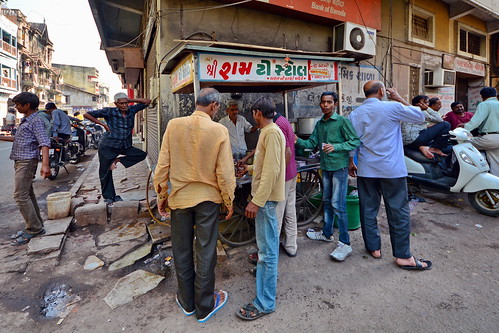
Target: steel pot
(306, 125)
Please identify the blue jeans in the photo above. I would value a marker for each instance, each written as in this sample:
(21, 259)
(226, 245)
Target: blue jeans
(334, 195)
(267, 241)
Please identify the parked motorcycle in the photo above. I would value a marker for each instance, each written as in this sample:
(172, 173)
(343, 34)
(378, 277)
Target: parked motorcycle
(79, 140)
(60, 153)
(469, 175)
(94, 134)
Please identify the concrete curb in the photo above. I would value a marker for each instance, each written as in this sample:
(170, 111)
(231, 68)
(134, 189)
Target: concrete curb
(76, 186)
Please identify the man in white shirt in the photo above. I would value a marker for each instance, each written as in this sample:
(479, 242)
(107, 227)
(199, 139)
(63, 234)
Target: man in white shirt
(237, 126)
(382, 171)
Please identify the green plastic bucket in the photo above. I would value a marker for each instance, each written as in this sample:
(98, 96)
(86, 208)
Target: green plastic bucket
(353, 211)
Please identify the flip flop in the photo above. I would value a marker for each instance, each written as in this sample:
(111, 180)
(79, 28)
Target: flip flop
(187, 313)
(218, 305)
(419, 265)
(25, 237)
(17, 234)
(253, 258)
(248, 309)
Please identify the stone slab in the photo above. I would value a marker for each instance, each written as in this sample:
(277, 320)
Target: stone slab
(123, 211)
(159, 232)
(113, 252)
(91, 214)
(132, 286)
(122, 233)
(134, 194)
(131, 257)
(59, 226)
(92, 262)
(75, 203)
(45, 244)
(221, 255)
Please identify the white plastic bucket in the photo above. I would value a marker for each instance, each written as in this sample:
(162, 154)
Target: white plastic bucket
(58, 205)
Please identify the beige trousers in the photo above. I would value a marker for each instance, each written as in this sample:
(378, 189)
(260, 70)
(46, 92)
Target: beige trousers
(490, 144)
(286, 216)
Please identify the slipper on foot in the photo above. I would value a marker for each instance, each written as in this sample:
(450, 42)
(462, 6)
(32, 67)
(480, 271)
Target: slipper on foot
(218, 304)
(419, 265)
(253, 258)
(187, 313)
(248, 310)
(25, 237)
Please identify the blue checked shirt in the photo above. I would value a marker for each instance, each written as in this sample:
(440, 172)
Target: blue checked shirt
(121, 127)
(30, 136)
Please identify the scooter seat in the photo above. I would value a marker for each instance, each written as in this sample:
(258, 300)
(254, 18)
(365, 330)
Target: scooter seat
(418, 156)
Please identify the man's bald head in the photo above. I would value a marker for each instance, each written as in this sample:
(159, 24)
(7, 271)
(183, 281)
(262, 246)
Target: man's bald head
(207, 96)
(374, 89)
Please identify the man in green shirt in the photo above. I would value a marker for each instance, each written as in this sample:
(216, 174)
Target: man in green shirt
(336, 137)
(486, 119)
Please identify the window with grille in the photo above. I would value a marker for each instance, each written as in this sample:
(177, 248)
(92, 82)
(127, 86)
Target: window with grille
(472, 42)
(421, 27)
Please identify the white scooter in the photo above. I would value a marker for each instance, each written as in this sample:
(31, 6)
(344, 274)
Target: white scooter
(472, 174)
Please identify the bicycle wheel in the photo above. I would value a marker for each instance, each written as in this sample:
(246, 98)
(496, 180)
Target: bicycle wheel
(308, 197)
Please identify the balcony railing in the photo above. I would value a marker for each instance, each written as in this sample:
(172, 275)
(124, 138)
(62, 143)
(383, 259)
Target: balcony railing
(8, 83)
(9, 48)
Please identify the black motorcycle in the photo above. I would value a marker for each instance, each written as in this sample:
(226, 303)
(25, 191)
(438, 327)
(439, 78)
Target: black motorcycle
(79, 142)
(94, 134)
(61, 153)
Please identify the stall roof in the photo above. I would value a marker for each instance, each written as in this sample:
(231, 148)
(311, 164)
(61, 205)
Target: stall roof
(185, 48)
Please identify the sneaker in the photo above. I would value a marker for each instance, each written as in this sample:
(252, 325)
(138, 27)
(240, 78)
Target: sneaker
(318, 235)
(218, 305)
(341, 252)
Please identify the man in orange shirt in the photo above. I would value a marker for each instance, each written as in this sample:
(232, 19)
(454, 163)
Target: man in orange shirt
(196, 159)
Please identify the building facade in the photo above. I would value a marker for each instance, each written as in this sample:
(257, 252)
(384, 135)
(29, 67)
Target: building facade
(161, 48)
(9, 66)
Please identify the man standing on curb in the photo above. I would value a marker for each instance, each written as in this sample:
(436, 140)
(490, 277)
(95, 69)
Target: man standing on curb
(336, 137)
(267, 188)
(117, 140)
(196, 159)
(382, 171)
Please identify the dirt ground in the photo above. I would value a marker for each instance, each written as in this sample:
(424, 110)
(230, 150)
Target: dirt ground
(315, 294)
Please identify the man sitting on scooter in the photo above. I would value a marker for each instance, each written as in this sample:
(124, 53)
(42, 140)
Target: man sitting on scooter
(428, 140)
(486, 120)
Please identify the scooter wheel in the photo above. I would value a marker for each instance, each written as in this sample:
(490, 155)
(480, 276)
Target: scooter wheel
(486, 202)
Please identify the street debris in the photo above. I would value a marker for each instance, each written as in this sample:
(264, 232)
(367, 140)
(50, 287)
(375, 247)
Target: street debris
(131, 257)
(478, 225)
(132, 286)
(92, 263)
(58, 301)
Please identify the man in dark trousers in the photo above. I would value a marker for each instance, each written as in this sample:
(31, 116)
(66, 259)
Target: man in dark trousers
(194, 177)
(116, 144)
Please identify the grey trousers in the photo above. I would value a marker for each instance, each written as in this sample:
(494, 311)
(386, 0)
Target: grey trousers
(286, 217)
(394, 192)
(489, 143)
(24, 195)
(196, 285)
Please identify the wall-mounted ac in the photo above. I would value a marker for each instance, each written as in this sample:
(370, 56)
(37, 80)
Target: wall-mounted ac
(439, 78)
(354, 38)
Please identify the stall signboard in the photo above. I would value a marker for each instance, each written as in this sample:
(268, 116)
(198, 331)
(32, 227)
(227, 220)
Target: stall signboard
(340, 10)
(248, 69)
(183, 74)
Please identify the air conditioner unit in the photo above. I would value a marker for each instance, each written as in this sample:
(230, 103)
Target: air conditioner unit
(354, 38)
(439, 78)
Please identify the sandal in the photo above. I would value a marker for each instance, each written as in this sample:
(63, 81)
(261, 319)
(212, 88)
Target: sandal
(25, 237)
(248, 310)
(253, 258)
(17, 234)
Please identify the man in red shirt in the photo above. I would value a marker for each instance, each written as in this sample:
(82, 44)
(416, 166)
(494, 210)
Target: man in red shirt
(457, 115)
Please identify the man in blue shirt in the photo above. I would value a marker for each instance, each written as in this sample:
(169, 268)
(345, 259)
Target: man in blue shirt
(116, 144)
(382, 171)
(61, 125)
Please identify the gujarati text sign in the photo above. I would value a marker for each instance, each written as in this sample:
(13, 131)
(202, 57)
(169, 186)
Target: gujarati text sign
(230, 68)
